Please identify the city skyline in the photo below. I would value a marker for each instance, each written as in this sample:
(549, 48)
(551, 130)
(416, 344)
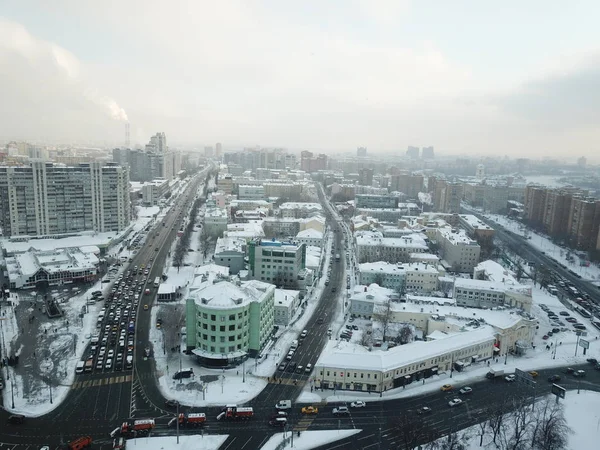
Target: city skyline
(468, 79)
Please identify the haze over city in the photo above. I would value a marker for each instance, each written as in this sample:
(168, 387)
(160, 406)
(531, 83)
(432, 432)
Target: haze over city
(470, 78)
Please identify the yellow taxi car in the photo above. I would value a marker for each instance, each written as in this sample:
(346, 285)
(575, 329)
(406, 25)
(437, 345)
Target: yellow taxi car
(310, 410)
(533, 373)
(145, 307)
(446, 387)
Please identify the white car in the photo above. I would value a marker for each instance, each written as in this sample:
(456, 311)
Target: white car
(455, 402)
(358, 404)
(466, 390)
(509, 378)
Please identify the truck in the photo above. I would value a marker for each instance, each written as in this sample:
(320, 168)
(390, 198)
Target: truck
(233, 412)
(140, 427)
(189, 420)
(80, 443)
(494, 373)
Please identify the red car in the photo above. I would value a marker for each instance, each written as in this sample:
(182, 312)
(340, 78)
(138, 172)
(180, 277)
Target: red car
(545, 337)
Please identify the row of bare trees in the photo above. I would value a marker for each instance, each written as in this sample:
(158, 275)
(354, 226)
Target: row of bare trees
(512, 424)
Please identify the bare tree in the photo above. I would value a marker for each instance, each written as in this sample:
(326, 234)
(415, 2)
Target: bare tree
(550, 431)
(496, 415)
(379, 279)
(411, 430)
(519, 423)
(452, 441)
(365, 340)
(384, 316)
(405, 334)
(482, 429)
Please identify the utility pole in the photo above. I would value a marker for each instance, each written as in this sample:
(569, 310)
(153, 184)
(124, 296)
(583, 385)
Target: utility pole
(177, 419)
(244, 370)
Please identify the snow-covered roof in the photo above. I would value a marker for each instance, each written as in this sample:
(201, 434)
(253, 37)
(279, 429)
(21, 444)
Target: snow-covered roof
(224, 294)
(166, 288)
(313, 256)
(414, 240)
(285, 297)
(372, 293)
(474, 223)
(87, 242)
(310, 233)
(425, 256)
(456, 236)
(508, 285)
(386, 267)
(252, 229)
(53, 261)
(493, 271)
(215, 212)
(404, 355)
(315, 218)
(230, 244)
(301, 205)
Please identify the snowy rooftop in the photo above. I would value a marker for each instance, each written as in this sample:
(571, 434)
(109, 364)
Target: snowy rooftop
(285, 297)
(230, 244)
(310, 233)
(414, 240)
(82, 240)
(300, 205)
(493, 271)
(313, 256)
(474, 222)
(425, 256)
(499, 286)
(456, 236)
(404, 355)
(402, 207)
(250, 230)
(373, 293)
(385, 267)
(225, 294)
(55, 261)
(215, 212)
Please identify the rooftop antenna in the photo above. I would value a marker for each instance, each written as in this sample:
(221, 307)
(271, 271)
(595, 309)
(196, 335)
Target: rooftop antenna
(127, 142)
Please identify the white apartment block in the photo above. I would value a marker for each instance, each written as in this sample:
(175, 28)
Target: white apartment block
(287, 302)
(407, 277)
(310, 237)
(372, 246)
(44, 199)
(215, 221)
(459, 251)
(277, 262)
(153, 191)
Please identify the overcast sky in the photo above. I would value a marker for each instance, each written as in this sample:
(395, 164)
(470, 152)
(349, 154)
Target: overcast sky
(487, 78)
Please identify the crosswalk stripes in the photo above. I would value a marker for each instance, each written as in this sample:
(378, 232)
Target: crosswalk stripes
(304, 423)
(288, 381)
(101, 382)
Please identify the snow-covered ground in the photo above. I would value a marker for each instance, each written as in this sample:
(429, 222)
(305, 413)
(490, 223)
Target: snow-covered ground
(308, 439)
(582, 416)
(552, 250)
(193, 442)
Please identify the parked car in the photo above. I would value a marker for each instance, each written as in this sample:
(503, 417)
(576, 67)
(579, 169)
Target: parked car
(446, 387)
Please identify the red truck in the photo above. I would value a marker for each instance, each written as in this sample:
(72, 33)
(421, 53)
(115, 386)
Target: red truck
(141, 427)
(238, 413)
(80, 443)
(189, 420)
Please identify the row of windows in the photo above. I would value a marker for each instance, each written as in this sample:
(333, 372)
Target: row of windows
(213, 317)
(231, 348)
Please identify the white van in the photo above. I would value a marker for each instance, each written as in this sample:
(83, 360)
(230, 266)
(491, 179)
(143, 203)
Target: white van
(290, 355)
(283, 404)
(79, 367)
(294, 345)
(308, 368)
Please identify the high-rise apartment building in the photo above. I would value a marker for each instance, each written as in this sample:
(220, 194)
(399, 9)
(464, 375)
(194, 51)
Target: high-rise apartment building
(556, 212)
(447, 196)
(361, 152)
(412, 152)
(535, 200)
(584, 222)
(406, 183)
(155, 161)
(276, 262)
(310, 163)
(427, 153)
(43, 199)
(219, 150)
(365, 177)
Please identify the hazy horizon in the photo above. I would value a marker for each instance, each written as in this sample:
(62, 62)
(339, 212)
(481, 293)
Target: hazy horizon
(466, 77)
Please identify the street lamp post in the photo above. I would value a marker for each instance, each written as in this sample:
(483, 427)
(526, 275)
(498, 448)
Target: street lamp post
(12, 392)
(50, 389)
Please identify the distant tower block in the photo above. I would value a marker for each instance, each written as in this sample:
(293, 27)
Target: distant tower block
(480, 172)
(127, 140)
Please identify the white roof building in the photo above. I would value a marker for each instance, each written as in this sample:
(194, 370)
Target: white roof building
(53, 267)
(311, 237)
(372, 246)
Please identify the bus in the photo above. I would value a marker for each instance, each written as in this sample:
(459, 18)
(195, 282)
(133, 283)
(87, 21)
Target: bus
(156, 282)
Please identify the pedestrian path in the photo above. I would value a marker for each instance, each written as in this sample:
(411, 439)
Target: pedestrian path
(287, 381)
(101, 382)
